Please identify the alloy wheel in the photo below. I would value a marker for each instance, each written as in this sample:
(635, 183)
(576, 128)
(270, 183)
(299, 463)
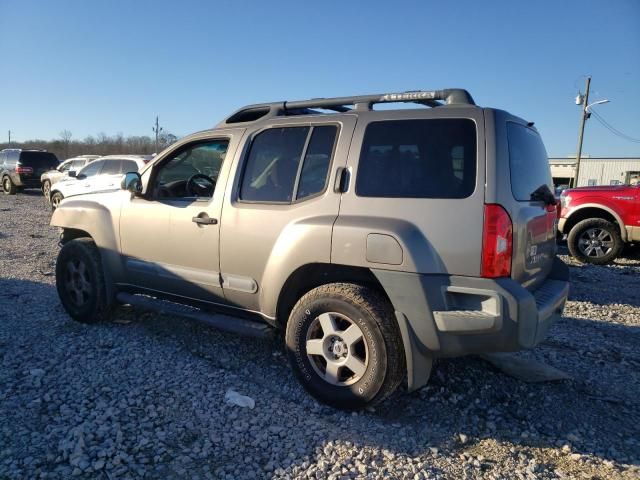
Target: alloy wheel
(336, 349)
(595, 242)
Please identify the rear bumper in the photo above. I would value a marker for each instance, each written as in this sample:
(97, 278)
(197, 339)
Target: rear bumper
(445, 316)
(27, 182)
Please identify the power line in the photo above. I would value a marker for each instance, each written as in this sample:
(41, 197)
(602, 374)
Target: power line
(612, 129)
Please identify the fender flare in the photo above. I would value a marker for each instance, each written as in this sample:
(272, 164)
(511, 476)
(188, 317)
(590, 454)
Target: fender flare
(621, 226)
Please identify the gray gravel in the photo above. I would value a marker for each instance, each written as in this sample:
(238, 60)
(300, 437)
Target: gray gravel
(144, 395)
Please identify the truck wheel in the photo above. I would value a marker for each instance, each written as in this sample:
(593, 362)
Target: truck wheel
(80, 281)
(595, 240)
(56, 198)
(8, 187)
(345, 346)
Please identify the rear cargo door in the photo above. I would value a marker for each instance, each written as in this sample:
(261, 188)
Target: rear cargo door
(39, 162)
(534, 220)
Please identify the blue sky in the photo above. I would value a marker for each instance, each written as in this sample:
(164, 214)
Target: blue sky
(111, 66)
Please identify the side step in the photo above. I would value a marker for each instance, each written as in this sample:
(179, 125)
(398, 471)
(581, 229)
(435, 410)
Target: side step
(222, 322)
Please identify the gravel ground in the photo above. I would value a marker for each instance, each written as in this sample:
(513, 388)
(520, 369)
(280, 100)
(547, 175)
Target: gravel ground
(144, 395)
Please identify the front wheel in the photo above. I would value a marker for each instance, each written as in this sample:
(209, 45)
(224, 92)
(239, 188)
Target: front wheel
(56, 198)
(344, 345)
(595, 240)
(46, 190)
(80, 281)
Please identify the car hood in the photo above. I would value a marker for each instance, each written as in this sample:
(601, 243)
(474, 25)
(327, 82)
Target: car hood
(598, 189)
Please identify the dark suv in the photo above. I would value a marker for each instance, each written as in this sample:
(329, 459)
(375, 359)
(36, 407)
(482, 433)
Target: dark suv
(22, 168)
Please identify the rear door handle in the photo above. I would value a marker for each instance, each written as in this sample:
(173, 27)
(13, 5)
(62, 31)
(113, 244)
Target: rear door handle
(204, 219)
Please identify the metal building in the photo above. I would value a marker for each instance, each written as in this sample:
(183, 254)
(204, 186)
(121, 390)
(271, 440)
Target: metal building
(595, 171)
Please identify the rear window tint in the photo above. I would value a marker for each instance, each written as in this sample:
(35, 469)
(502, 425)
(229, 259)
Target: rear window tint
(38, 159)
(433, 158)
(528, 161)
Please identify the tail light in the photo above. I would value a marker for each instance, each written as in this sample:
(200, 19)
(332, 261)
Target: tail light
(497, 242)
(21, 169)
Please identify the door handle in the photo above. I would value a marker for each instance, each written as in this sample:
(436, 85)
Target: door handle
(204, 219)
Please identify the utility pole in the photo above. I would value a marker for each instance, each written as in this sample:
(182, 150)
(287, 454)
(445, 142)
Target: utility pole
(9, 138)
(157, 129)
(583, 119)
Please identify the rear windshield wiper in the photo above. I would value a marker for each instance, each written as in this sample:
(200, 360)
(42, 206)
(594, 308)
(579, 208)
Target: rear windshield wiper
(543, 194)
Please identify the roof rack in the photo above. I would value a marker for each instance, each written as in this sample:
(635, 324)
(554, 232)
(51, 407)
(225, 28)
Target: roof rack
(432, 98)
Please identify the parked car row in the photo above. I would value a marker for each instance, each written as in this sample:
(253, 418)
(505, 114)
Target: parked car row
(20, 169)
(100, 175)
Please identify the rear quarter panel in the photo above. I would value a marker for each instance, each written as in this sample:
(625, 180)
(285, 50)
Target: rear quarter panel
(435, 235)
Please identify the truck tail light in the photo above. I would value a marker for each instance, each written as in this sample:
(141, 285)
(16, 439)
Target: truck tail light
(497, 242)
(21, 169)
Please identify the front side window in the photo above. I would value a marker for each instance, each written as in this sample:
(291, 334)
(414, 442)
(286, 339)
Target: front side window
(192, 172)
(92, 169)
(432, 158)
(288, 164)
(65, 167)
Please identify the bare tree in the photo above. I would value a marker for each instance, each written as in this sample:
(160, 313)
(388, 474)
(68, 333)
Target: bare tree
(65, 135)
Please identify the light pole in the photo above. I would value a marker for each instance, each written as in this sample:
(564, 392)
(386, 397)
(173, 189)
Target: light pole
(584, 101)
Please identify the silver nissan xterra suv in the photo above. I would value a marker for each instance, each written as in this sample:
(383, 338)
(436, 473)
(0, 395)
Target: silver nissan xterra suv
(377, 240)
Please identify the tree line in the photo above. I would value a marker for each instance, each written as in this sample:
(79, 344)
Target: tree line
(101, 144)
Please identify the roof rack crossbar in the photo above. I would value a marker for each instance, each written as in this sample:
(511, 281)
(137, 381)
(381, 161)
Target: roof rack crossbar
(449, 96)
(432, 98)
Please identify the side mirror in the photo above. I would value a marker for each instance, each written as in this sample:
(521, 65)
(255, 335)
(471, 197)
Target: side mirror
(132, 182)
(72, 173)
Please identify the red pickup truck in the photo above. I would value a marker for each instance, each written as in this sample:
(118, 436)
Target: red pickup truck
(600, 220)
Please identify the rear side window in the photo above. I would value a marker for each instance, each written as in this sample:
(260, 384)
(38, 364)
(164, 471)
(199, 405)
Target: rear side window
(274, 172)
(528, 161)
(111, 167)
(129, 166)
(38, 159)
(313, 177)
(433, 158)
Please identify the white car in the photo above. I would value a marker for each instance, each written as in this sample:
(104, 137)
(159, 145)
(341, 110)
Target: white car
(101, 175)
(50, 177)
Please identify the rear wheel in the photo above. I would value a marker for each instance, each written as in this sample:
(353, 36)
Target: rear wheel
(56, 198)
(8, 187)
(595, 240)
(344, 345)
(80, 281)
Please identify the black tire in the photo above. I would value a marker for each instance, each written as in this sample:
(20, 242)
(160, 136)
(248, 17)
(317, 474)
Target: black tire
(374, 316)
(56, 198)
(80, 281)
(8, 187)
(608, 243)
